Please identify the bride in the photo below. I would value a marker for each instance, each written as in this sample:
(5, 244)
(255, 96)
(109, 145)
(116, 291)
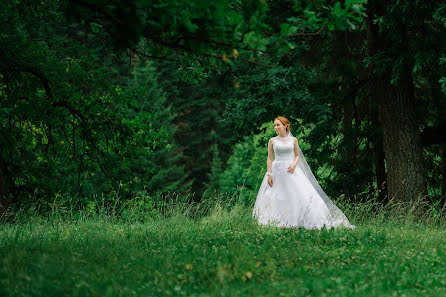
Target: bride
(289, 195)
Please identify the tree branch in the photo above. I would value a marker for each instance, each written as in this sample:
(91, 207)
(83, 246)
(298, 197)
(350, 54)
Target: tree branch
(73, 110)
(169, 45)
(309, 33)
(225, 44)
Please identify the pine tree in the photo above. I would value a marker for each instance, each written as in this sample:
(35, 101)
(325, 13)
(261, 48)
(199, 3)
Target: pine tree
(215, 170)
(150, 98)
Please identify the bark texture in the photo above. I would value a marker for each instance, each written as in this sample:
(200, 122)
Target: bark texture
(401, 137)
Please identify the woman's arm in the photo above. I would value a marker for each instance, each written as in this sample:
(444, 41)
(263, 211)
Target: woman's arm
(296, 152)
(269, 161)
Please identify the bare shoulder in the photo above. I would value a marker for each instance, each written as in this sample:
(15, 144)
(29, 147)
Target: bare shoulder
(271, 140)
(295, 139)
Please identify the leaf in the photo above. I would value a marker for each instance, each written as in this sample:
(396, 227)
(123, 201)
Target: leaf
(95, 27)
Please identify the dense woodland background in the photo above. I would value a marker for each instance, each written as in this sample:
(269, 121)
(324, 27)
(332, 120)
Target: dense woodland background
(105, 99)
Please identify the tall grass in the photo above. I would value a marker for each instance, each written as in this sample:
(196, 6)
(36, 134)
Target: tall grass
(170, 246)
(144, 208)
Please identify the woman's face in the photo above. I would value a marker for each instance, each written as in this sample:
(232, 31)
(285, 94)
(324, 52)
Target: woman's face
(279, 127)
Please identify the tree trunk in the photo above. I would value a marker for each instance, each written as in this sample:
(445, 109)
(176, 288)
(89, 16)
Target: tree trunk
(348, 130)
(401, 138)
(380, 168)
(4, 195)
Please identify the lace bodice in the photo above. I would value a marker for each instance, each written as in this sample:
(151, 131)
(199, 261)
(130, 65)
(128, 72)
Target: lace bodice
(283, 148)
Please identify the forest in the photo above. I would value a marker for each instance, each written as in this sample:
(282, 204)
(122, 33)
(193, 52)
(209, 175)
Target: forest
(101, 97)
(129, 108)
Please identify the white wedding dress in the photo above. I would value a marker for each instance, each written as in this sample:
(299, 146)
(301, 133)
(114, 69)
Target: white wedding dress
(295, 199)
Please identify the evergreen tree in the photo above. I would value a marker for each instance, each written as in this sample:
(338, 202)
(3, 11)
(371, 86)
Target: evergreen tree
(165, 173)
(215, 170)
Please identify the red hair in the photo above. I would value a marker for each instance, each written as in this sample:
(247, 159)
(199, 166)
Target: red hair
(285, 122)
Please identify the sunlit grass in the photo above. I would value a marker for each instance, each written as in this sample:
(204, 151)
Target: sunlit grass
(396, 251)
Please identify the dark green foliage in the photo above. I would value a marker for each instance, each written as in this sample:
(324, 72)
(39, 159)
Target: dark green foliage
(268, 93)
(246, 167)
(83, 113)
(216, 169)
(68, 126)
(195, 27)
(332, 90)
(159, 170)
(198, 112)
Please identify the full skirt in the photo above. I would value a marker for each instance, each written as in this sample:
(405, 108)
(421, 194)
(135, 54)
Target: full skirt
(292, 201)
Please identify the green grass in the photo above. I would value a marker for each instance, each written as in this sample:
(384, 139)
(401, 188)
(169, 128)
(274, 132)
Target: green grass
(224, 253)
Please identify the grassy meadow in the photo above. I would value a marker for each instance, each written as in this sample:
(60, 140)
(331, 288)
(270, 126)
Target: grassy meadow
(223, 253)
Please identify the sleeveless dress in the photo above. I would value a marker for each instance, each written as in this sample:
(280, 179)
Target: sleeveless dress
(292, 201)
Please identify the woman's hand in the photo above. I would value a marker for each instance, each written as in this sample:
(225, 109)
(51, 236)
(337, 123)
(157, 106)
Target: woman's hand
(291, 168)
(270, 181)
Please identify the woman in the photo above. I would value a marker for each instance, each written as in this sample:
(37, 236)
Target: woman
(290, 195)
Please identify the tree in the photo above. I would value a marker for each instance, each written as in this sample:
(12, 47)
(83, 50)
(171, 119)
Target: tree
(164, 172)
(67, 124)
(399, 34)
